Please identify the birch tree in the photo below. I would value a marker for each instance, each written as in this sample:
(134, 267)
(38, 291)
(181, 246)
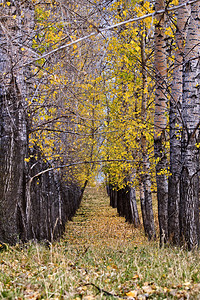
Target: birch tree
(189, 202)
(13, 92)
(145, 182)
(175, 126)
(160, 120)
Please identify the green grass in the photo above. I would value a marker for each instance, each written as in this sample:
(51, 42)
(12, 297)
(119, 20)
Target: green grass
(99, 254)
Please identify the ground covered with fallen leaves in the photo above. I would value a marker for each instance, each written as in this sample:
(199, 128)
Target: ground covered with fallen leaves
(100, 257)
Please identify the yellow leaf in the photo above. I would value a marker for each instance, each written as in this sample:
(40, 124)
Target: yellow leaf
(8, 3)
(22, 49)
(137, 48)
(124, 13)
(132, 294)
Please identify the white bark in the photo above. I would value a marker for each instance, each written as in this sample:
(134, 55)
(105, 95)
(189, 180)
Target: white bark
(189, 203)
(160, 122)
(175, 128)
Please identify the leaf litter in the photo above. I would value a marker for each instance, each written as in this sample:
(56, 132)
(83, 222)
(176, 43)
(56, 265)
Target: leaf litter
(99, 257)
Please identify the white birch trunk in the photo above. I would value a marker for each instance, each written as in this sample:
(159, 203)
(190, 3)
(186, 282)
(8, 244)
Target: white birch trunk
(13, 139)
(175, 128)
(146, 195)
(160, 122)
(189, 202)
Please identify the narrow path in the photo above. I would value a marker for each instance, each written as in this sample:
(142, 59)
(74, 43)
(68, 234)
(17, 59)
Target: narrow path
(99, 244)
(97, 224)
(115, 260)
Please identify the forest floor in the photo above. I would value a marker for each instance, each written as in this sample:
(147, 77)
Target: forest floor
(99, 257)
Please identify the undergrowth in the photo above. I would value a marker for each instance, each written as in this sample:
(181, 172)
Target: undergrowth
(100, 257)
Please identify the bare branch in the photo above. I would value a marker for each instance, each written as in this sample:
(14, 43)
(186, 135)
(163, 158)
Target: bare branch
(78, 163)
(99, 31)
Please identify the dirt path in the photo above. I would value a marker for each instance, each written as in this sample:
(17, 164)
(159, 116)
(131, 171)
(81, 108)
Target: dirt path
(97, 224)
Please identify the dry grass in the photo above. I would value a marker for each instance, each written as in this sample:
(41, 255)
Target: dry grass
(99, 254)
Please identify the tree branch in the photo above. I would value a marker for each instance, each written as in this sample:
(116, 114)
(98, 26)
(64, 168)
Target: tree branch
(99, 31)
(78, 163)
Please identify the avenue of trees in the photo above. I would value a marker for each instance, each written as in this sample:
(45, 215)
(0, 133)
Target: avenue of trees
(99, 86)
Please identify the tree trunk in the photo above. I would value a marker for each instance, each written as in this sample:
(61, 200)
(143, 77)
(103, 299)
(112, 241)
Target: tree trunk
(146, 204)
(147, 211)
(13, 139)
(143, 208)
(125, 201)
(131, 211)
(189, 202)
(13, 143)
(133, 207)
(160, 122)
(113, 196)
(120, 203)
(51, 200)
(175, 128)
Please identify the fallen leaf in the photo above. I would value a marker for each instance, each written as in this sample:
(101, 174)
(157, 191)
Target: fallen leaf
(173, 292)
(132, 294)
(147, 289)
(154, 287)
